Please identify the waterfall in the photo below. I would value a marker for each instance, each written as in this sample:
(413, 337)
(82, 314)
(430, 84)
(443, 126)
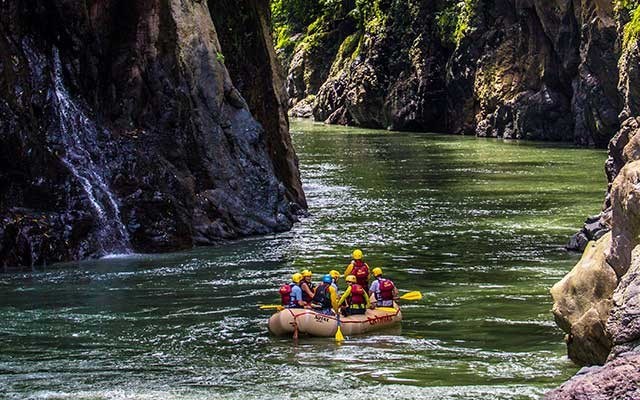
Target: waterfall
(80, 135)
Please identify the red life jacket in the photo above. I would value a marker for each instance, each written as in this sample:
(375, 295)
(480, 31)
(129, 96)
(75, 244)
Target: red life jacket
(285, 293)
(361, 272)
(356, 298)
(385, 289)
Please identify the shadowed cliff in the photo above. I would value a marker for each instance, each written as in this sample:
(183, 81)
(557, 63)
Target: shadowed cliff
(122, 130)
(512, 69)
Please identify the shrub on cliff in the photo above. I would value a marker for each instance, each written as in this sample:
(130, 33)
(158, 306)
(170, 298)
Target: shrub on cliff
(453, 21)
(632, 29)
(291, 19)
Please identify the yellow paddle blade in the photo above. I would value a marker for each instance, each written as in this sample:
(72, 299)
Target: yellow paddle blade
(411, 296)
(271, 307)
(386, 309)
(339, 336)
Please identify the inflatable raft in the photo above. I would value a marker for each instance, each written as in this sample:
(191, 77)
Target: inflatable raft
(287, 321)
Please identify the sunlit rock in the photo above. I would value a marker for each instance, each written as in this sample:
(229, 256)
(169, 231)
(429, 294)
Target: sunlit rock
(582, 303)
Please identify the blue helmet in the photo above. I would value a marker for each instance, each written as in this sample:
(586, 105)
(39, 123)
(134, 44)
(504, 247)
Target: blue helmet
(327, 279)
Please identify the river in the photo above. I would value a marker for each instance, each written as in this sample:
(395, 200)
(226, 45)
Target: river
(477, 225)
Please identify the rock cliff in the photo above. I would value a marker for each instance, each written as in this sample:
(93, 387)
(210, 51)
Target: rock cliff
(121, 128)
(505, 68)
(390, 73)
(598, 303)
(524, 69)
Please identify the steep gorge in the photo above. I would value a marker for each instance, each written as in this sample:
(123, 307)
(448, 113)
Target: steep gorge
(123, 129)
(500, 68)
(566, 71)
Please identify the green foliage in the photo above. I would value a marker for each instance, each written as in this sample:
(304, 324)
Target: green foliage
(350, 45)
(632, 29)
(348, 51)
(447, 21)
(626, 7)
(289, 17)
(316, 33)
(453, 22)
(295, 14)
(371, 16)
(302, 18)
(220, 57)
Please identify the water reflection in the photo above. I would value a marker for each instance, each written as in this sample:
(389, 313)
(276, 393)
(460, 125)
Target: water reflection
(476, 225)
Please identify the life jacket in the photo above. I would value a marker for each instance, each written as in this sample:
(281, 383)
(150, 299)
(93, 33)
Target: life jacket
(361, 272)
(322, 297)
(385, 289)
(356, 298)
(305, 296)
(285, 294)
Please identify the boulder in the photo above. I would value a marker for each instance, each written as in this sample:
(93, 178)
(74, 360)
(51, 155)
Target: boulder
(618, 380)
(582, 300)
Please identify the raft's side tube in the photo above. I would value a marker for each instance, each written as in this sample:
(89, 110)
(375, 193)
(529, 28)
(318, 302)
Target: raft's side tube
(284, 323)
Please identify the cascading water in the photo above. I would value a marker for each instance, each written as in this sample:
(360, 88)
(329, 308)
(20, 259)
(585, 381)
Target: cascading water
(79, 134)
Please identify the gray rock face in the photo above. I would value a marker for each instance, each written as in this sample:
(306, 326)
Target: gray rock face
(624, 321)
(538, 72)
(625, 213)
(617, 380)
(255, 70)
(515, 69)
(122, 130)
(619, 377)
(394, 77)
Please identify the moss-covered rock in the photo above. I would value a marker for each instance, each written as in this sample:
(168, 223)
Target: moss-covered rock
(505, 68)
(394, 77)
(314, 52)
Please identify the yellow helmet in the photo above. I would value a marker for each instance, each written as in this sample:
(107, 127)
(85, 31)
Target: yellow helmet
(377, 271)
(334, 274)
(306, 273)
(297, 277)
(357, 254)
(351, 278)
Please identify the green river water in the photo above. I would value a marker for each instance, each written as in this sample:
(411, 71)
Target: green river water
(477, 225)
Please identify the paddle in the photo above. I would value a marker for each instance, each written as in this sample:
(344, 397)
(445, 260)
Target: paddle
(271, 307)
(415, 295)
(339, 336)
(386, 309)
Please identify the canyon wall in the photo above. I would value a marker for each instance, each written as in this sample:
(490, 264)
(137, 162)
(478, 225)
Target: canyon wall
(502, 68)
(122, 129)
(598, 303)
(522, 69)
